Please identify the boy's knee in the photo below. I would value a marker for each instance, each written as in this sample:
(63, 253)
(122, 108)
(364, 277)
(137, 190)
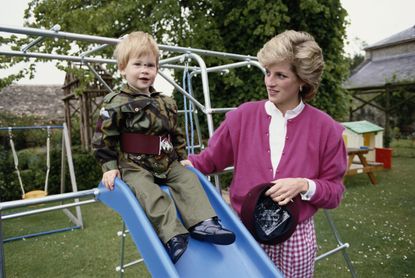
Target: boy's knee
(190, 176)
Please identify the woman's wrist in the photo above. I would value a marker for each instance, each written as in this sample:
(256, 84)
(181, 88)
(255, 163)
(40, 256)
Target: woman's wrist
(304, 185)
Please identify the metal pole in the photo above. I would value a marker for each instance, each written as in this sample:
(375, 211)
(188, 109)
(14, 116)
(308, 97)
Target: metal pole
(71, 169)
(112, 41)
(48, 199)
(171, 81)
(206, 94)
(173, 59)
(341, 247)
(55, 28)
(56, 56)
(31, 127)
(37, 211)
(123, 235)
(53, 34)
(86, 53)
(99, 78)
(223, 68)
(2, 264)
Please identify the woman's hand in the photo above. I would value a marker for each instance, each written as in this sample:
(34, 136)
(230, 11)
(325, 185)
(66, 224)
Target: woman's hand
(109, 177)
(284, 190)
(186, 162)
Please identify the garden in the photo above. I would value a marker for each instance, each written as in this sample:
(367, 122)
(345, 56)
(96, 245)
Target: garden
(376, 220)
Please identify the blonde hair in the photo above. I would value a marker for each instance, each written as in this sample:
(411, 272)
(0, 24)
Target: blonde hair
(135, 45)
(302, 52)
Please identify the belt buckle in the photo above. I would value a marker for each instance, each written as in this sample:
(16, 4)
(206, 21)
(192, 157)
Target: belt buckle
(165, 145)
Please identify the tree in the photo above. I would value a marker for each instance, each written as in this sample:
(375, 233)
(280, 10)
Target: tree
(231, 26)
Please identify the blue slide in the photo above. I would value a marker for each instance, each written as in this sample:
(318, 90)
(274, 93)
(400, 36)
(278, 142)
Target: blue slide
(243, 258)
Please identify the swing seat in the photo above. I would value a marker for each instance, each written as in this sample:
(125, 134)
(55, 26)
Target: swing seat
(35, 194)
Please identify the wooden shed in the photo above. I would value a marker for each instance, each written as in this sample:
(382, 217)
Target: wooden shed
(363, 134)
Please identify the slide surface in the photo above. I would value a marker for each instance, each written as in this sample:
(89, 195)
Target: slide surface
(243, 258)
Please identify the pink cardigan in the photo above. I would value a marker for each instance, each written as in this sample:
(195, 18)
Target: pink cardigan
(314, 149)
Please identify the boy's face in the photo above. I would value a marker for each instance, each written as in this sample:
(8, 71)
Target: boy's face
(141, 72)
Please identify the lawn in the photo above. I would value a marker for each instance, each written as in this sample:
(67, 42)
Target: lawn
(377, 222)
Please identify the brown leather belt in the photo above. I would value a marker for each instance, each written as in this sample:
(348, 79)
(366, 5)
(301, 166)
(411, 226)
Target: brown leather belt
(137, 143)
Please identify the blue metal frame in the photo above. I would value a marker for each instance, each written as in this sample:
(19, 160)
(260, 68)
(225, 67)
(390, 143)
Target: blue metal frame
(41, 233)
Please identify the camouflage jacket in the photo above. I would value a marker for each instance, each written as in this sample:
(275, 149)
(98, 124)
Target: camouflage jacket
(132, 111)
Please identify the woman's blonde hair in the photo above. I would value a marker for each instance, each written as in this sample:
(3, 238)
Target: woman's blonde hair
(135, 45)
(302, 52)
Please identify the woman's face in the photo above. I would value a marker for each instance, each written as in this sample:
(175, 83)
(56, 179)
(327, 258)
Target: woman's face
(283, 86)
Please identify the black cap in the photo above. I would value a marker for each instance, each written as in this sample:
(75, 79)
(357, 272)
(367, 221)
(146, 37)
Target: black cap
(267, 221)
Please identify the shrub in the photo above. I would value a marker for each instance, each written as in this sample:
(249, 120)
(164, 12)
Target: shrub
(87, 170)
(32, 167)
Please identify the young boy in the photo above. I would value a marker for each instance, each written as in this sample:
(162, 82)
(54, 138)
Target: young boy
(143, 124)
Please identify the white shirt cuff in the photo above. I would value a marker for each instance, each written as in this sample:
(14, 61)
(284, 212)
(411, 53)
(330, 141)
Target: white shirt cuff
(310, 192)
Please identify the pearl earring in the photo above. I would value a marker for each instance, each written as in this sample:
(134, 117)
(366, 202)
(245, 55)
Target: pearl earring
(301, 88)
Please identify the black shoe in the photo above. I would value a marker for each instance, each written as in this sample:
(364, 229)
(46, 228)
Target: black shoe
(176, 246)
(212, 231)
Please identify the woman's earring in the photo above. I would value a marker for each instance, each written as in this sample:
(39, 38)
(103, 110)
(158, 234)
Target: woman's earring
(301, 88)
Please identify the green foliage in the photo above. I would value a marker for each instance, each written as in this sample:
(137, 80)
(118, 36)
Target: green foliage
(238, 27)
(403, 148)
(87, 171)
(7, 62)
(244, 26)
(355, 61)
(30, 147)
(9, 185)
(32, 167)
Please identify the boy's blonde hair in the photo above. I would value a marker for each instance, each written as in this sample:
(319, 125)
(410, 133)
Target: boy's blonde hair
(135, 45)
(302, 52)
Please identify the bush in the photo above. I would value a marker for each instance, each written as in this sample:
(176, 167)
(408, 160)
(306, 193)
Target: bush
(87, 170)
(30, 147)
(9, 185)
(32, 167)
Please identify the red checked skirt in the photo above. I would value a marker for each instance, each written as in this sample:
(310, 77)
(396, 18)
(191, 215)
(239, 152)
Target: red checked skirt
(295, 256)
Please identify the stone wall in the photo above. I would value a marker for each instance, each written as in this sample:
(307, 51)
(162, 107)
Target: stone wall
(36, 100)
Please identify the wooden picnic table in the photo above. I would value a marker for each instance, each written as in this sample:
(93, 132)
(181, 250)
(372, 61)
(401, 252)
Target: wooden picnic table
(362, 165)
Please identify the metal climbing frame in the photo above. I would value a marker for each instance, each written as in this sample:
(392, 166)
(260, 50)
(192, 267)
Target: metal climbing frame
(184, 55)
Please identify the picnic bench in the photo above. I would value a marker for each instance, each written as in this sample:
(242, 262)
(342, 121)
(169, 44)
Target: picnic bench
(361, 165)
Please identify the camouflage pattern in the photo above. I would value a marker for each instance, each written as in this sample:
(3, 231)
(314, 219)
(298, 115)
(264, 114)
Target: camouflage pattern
(132, 111)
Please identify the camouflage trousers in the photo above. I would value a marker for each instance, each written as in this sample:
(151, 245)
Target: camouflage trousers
(187, 196)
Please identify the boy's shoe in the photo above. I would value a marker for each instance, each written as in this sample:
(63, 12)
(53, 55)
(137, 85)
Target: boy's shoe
(176, 246)
(212, 231)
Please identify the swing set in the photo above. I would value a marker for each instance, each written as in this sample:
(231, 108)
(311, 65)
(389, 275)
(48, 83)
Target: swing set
(192, 105)
(76, 218)
(33, 193)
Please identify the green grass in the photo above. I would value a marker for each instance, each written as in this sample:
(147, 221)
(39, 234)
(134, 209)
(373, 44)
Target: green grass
(91, 252)
(377, 221)
(403, 148)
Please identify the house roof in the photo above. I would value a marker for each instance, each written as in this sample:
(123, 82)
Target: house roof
(377, 73)
(362, 127)
(403, 36)
(389, 66)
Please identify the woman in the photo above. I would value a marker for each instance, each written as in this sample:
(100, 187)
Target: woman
(282, 140)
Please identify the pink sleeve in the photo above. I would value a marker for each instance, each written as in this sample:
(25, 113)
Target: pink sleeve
(219, 153)
(330, 188)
